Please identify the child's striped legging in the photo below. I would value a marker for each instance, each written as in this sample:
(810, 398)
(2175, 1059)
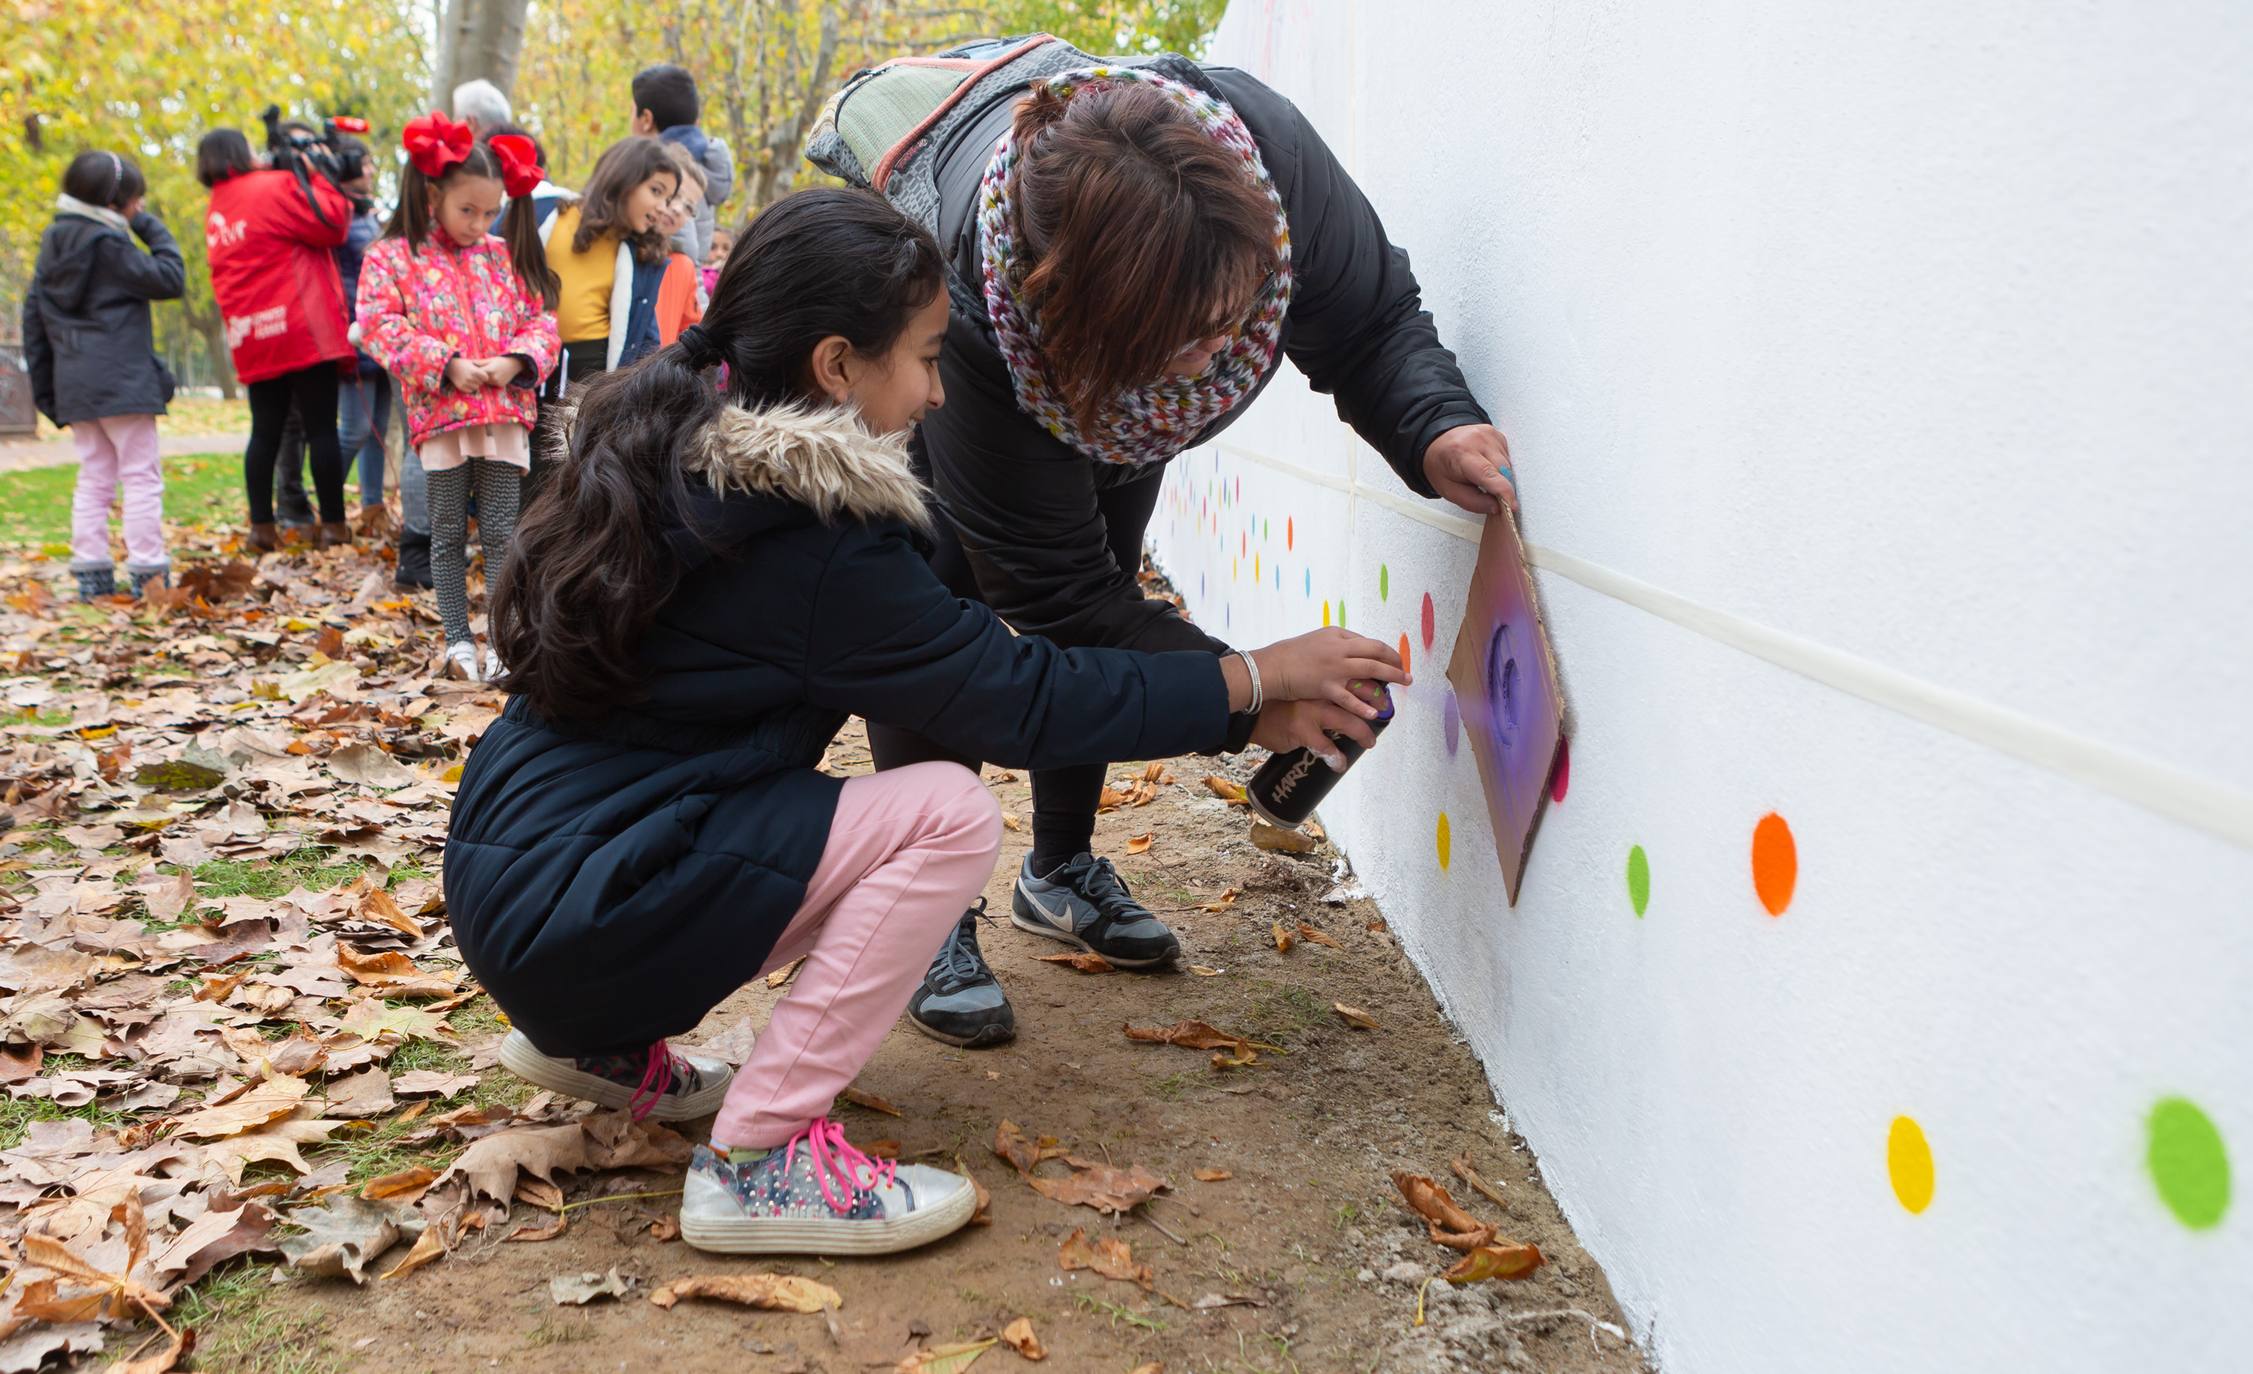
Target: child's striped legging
(498, 485)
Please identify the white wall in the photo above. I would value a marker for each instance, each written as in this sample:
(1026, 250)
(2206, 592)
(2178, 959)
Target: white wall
(1880, 377)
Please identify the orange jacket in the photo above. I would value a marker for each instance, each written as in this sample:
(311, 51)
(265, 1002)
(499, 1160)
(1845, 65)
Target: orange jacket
(678, 305)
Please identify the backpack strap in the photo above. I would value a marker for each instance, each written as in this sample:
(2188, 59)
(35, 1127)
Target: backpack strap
(879, 117)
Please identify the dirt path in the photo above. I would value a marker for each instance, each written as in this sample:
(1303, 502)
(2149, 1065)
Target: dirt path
(1302, 1258)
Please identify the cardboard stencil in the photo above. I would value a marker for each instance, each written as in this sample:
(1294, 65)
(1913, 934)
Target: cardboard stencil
(1505, 680)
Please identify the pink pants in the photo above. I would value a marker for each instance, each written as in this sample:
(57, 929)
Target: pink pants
(117, 451)
(910, 848)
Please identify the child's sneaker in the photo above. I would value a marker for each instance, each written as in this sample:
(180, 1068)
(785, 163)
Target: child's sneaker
(663, 1083)
(817, 1196)
(93, 582)
(461, 661)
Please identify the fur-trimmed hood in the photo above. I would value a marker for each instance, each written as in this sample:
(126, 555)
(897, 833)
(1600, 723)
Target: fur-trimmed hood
(824, 459)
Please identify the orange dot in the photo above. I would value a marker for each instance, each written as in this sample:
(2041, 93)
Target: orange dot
(1290, 532)
(1404, 653)
(1775, 863)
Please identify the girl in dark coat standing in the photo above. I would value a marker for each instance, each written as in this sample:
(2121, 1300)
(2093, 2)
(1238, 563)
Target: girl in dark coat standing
(93, 362)
(716, 576)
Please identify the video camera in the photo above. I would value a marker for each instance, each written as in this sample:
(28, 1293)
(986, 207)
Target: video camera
(300, 151)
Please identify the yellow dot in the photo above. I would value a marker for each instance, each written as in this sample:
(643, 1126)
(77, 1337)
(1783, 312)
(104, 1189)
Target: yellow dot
(1325, 613)
(1909, 1161)
(1443, 841)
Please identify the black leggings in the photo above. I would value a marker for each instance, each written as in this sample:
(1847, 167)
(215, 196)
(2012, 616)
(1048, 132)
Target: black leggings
(314, 390)
(1064, 799)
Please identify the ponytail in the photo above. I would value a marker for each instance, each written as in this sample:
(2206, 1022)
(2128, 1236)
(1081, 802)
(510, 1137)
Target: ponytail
(527, 253)
(599, 551)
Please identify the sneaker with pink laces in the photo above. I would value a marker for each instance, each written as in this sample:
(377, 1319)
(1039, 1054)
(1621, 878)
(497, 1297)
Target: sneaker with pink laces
(817, 1195)
(661, 1082)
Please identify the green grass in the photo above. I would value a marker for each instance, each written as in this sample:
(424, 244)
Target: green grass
(1088, 1302)
(308, 868)
(199, 489)
(245, 1325)
(17, 1114)
(1281, 1012)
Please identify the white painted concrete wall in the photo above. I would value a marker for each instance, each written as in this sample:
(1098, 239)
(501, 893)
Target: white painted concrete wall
(1882, 378)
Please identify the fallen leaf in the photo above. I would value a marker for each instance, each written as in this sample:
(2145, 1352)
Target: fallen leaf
(1100, 1186)
(1276, 840)
(1223, 902)
(1315, 937)
(1214, 1301)
(1210, 1175)
(1013, 822)
(1205, 970)
(1449, 1224)
(403, 1186)
(1109, 799)
(1086, 961)
(1283, 939)
(1140, 844)
(343, 1235)
(577, 1290)
(1230, 792)
(1023, 1152)
(1153, 1367)
(787, 972)
(491, 1165)
(1113, 1259)
(555, 1227)
(1354, 1016)
(432, 1082)
(179, 775)
(428, 1246)
(1461, 1165)
(540, 1193)
(1504, 1261)
(1194, 1035)
(870, 1101)
(944, 1359)
(211, 1240)
(1018, 1335)
(395, 973)
(270, 1100)
(774, 1292)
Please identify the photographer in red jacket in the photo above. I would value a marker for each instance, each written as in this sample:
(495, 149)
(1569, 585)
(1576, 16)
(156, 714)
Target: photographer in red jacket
(270, 232)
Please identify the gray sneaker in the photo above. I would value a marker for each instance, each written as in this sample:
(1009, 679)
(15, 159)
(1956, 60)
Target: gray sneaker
(660, 1082)
(817, 1196)
(960, 1002)
(1086, 904)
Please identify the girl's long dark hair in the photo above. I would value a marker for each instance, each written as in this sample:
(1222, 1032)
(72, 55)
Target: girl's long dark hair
(598, 552)
(623, 165)
(528, 257)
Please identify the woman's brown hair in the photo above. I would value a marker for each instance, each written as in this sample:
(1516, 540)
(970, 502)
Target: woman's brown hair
(623, 165)
(1143, 234)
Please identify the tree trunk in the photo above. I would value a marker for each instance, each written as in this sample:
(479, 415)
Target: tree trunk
(214, 335)
(477, 38)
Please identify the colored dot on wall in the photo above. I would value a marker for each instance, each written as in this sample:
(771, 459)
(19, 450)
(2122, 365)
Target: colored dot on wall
(1404, 655)
(1638, 880)
(1562, 778)
(1384, 582)
(1341, 612)
(1775, 863)
(1451, 720)
(1278, 577)
(2188, 1162)
(1243, 545)
(1908, 1162)
(1255, 567)
(1235, 570)
(1427, 620)
(1310, 581)
(1263, 530)
(1325, 613)
(1290, 533)
(1443, 840)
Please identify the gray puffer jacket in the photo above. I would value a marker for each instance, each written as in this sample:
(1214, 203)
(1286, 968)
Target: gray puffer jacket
(87, 339)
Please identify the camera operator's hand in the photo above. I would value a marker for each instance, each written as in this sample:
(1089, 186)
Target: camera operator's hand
(464, 375)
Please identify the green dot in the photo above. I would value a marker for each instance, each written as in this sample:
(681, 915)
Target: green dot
(2188, 1163)
(1384, 583)
(1341, 612)
(1263, 529)
(1638, 879)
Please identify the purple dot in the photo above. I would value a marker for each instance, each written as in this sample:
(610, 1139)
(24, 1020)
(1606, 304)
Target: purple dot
(1451, 720)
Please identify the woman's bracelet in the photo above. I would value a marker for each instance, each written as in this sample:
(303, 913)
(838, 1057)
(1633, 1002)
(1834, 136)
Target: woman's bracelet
(1259, 697)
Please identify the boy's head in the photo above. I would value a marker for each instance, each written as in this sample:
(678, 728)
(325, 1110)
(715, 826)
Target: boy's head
(664, 97)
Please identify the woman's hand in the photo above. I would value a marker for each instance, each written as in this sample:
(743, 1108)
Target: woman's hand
(1470, 465)
(1318, 667)
(464, 375)
(1293, 724)
(502, 370)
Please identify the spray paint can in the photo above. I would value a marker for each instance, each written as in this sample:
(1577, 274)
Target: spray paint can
(1290, 785)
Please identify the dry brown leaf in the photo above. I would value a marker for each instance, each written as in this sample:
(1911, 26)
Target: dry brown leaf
(773, 1292)
(1101, 1186)
(870, 1101)
(982, 1214)
(270, 1100)
(1234, 1059)
(787, 972)
(492, 1165)
(164, 1359)
(1315, 937)
(1276, 840)
(1284, 939)
(405, 1186)
(1023, 1152)
(1449, 1224)
(428, 1246)
(1204, 970)
(1013, 822)
(540, 1193)
(952, 1358)
(1154, 1367)
(1230, 792)
(1109, 799)
(550, 1231)
(669, 1228)
(1505, 1261)
(1223, 902)
(1018, 1335)
(1194, 1035)
(1210, 1175)
(1354, 1016)
(1376, 926)
(1086, 961)
(1140, 844)
(1112, 1258)
(395, 973)
(1156, 772)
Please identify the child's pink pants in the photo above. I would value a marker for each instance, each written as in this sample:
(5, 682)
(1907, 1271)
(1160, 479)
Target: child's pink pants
(120, 450)
(910, 848)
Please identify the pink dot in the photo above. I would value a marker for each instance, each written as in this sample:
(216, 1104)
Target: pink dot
(1563, 775)
(1427, 620)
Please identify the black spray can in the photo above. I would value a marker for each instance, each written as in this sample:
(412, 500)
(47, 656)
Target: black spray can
(1290, 785)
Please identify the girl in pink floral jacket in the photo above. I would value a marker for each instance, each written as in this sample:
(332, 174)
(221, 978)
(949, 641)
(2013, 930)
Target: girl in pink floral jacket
(465, 320)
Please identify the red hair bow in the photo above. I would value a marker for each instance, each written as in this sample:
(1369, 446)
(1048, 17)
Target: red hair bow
(434, 143)
(521, 172)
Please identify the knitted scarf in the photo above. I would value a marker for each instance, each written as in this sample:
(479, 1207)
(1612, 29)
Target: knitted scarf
(1151, 423)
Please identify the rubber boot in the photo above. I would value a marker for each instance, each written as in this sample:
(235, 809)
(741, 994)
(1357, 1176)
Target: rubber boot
(161, 575)
(332, 533)
(93, 582)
